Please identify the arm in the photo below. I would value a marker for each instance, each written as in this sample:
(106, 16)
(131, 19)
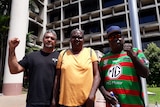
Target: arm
(106, 93)
(141, 69)
(95, 85)
(56, 88)
(14, 66)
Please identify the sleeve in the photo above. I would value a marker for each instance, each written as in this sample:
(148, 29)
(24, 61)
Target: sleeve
(24, 62)
(93, 55)
(142, 57)
(60, 57)
(101, 64)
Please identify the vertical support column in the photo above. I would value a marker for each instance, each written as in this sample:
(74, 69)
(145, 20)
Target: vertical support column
(44, 17)
(101, 22)
(80, 13)
(12, 83)
(132, 4)
(61, 30)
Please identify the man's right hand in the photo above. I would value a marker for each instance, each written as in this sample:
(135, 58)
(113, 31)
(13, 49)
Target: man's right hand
(13, 43)
(110, 98)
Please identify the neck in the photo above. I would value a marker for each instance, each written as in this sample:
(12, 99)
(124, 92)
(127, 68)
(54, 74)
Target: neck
(48, 50)
(76, 51)
(116, 51)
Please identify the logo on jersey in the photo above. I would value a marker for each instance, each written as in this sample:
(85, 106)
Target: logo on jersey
(114, 71)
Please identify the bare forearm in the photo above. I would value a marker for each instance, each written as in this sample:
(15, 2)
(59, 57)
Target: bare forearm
(96, 79)
(141, 69)
(13, 63)
(95, 85)
(103, 91)
(56, 87)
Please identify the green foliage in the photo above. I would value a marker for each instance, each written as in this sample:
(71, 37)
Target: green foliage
(4, 27)
(153, 55)
(29, 48)
(4, 22)
(153, 98)
(5, 7)
(33, 6)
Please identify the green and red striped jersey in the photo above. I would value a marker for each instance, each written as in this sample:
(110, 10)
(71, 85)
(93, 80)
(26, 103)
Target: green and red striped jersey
(118, 75)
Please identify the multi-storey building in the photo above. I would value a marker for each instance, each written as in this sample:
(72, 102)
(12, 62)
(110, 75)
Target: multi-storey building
(94, 16)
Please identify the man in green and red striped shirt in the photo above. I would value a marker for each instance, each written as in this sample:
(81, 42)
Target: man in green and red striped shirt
(121, 69)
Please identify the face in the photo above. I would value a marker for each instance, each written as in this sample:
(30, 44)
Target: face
(116, 42)
(77, 39)
(49, 40)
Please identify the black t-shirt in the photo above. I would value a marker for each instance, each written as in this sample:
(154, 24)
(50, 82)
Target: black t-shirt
(41, 68)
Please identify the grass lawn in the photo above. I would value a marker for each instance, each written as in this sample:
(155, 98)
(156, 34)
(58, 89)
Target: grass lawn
(154, 98)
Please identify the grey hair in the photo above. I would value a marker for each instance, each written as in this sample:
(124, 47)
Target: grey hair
(76, 29)
(51, 31)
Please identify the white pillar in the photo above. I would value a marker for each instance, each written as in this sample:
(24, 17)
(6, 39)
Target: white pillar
(132, 4)
(12, 83)
(44, 17)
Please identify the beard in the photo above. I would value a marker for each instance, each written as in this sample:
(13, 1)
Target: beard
(48, 45)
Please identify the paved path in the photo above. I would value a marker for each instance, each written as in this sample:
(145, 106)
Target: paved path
(13, 101)
(20, 101)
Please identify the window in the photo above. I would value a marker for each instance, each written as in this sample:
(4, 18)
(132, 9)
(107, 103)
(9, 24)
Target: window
(55, 15)
(146, 16)
(118, 20)
(67, 31)
(89, 5)
(71, 10)
(108, 3)
(91, 27)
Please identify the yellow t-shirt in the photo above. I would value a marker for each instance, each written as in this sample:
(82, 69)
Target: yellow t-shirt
(76, 76)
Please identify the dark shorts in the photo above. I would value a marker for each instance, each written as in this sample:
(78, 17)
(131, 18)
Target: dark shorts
(38, 105)
(72, 106)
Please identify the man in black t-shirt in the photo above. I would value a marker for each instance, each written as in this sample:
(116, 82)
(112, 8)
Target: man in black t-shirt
(41, 66)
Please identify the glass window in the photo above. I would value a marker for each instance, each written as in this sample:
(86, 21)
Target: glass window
(91, 27)
(118, 20)
(58, 34)
(55, 15)
(147, 16)
(89, 5)
(108, 3)
(71, 10)
(33, 28)
(67, 31)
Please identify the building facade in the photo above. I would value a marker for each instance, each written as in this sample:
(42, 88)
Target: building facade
(94, 16)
